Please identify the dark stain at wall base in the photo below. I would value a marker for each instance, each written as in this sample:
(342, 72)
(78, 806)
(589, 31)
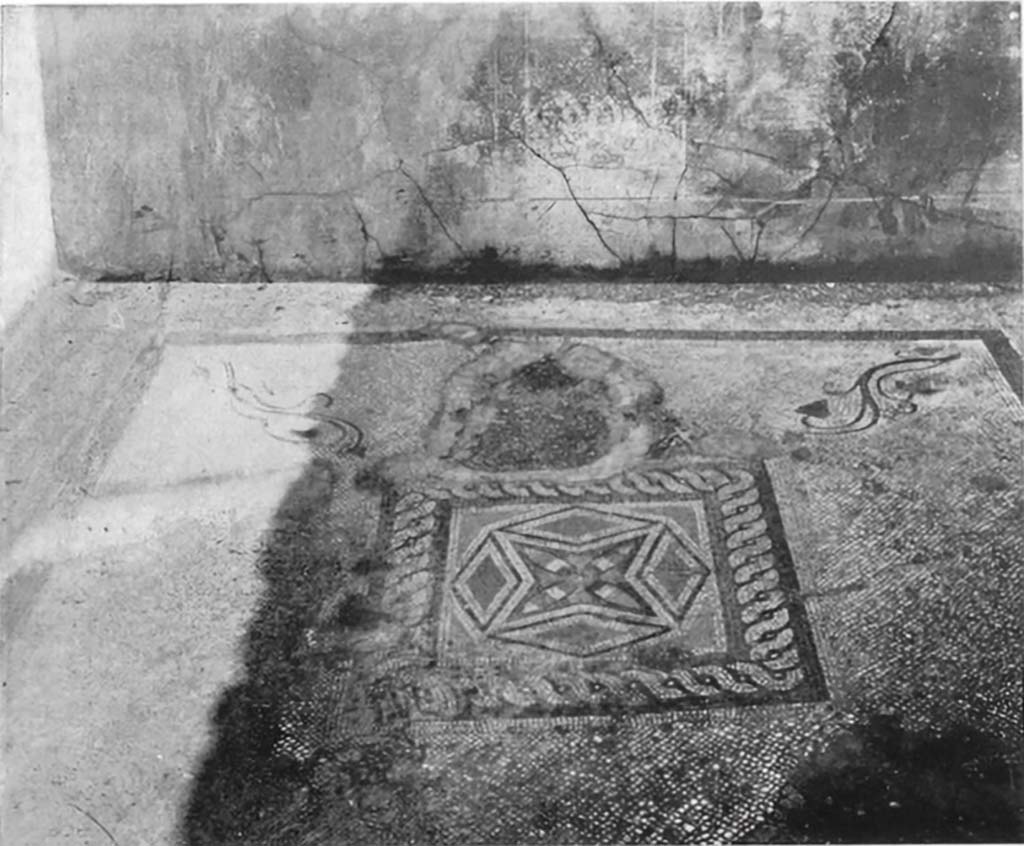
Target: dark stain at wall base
(999, 265)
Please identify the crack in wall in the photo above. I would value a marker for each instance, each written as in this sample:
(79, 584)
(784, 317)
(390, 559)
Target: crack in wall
(378, 78)
(575, 199)
(368, 238)
(610, 65)
(430, 206)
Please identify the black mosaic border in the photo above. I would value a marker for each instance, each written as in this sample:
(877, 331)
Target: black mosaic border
(790, 583)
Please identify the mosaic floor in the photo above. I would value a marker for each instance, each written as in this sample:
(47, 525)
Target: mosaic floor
(648, 589)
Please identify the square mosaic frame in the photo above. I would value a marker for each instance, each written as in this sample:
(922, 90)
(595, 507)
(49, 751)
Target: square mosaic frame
(770, 655)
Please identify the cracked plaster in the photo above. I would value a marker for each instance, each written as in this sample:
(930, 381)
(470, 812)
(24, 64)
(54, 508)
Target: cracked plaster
(260, 144)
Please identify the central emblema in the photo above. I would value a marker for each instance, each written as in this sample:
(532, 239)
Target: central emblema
(579, 580)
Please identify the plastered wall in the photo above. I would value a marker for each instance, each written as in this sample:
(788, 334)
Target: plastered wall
(274, 142)
(27, 252)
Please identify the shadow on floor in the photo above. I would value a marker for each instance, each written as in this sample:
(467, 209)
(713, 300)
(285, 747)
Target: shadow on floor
(881, 783)
(283, 766)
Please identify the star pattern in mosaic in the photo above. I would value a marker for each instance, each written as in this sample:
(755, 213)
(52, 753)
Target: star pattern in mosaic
(582, 580)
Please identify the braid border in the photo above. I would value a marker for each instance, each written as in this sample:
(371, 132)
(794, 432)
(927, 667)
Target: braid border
(773, 666)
